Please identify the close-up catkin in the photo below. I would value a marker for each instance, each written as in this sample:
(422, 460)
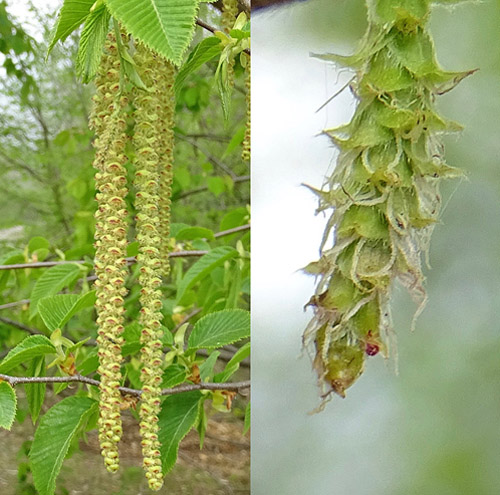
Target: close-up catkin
(245, 153)
(110, 243)
(384, 192)
(166, 113)
(149, 144)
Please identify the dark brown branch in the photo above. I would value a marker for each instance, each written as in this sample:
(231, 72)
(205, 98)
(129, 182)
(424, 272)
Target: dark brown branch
(20, 326)
(19, 380)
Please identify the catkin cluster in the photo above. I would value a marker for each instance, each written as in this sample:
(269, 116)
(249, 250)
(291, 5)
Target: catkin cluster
(384, 191)
(152, 140)
(110, 242)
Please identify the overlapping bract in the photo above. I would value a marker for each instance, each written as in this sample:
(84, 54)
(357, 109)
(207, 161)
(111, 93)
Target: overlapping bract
(384, 191)
(149, 143)
(110, 242)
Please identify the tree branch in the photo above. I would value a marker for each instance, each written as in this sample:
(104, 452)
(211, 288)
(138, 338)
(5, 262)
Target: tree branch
(19, 380)
(19, 325)
(200, 189)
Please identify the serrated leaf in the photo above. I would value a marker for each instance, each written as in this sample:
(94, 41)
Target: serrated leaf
(35, 392)
(166, 26)
(57, 429)
(203, 52)
(177, 416)
(71, 16)
(220, 328)
(91, 42)
(173, 375)
(31, 347)
(8, 405)
(204, 266)
(51, 282)
(57, 310)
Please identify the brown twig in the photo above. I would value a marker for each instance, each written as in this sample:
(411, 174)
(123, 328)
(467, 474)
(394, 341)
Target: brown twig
(19, 380)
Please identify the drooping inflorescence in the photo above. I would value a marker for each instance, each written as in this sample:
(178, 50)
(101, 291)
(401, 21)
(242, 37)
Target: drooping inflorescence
(110, 242)
(150, 143)
(245, 153)
(384, 191)
(166, 113)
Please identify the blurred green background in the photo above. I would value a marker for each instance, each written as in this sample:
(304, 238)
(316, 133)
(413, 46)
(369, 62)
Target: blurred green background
(434, 428)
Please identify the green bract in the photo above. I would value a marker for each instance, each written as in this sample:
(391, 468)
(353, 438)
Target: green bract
(110, 242)
(384, 191)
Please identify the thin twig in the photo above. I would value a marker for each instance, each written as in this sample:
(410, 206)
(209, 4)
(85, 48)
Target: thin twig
(19, 380)
(196, 190)
(206, 26)
(19, 325)
(232, 231)
(14, 304)
(212, 159)
(45, 264)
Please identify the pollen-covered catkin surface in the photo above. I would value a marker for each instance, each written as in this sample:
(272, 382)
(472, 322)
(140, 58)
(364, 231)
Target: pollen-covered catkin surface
(166, 113)
(148, 143)
(110, 243)
(229, 14)
(245, 153)
(384, 191)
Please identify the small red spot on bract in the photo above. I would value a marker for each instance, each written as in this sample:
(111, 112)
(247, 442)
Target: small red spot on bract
(372, 349)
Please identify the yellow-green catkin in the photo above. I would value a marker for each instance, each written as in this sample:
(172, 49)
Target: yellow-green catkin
(229, 14)
(148, 145)
(245, 153)
(384, 191)
(110, 242)
(166, 114)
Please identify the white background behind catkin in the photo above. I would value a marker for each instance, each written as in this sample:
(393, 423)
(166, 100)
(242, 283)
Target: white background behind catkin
(435, 428)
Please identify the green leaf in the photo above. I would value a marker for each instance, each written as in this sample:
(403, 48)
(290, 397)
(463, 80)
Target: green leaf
(51, 282)
(35, 392)
(57, 429)
(207, 367)
(247, 419)
(71, 15)
(166, 26)
(57, 310)
(234, 363)
(216, 185)
(178, 415)
(91, 42)
(8, 405)
(220, 328)
(31, 347)
(204, 51)
(173, 375)
(191, 233)
(38, 243)
(204, 266)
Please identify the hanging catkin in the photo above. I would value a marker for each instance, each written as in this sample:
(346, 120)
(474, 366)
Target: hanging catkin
(384, 191)
(166, 112)
(110, 242)
(245, 152)
(148, 143)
